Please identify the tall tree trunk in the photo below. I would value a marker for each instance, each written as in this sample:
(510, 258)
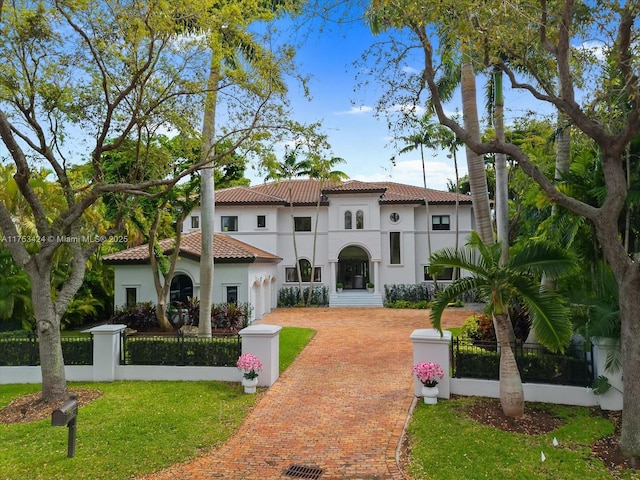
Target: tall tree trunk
(475, 163)
(630, 329)
(502, 184)
(295, 245)
(207, 195)
(456, 270)
(54, 383)
(315, 241)
(426, 208)
(511, 391)
(162, 280)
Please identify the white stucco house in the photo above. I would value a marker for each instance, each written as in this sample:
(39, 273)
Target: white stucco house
(368, 232)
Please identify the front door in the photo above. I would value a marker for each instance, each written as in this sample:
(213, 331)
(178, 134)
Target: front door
(353, 268)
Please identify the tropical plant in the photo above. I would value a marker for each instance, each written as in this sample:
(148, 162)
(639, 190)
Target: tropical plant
(288, 169)
(517, 278)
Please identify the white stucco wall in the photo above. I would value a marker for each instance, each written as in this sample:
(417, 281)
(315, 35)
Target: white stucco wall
(332, 238)
(242, 275)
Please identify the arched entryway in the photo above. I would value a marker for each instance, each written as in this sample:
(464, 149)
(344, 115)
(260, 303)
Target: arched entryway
(354, 268)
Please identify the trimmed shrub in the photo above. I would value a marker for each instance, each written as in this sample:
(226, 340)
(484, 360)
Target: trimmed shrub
(413, 293)
(289, 296)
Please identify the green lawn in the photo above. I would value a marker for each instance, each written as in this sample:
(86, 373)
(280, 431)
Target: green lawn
(447, 445)
(292, 341)
(134, 428)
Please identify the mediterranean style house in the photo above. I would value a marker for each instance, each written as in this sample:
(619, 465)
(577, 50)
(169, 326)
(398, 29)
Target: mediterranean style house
(368, 235)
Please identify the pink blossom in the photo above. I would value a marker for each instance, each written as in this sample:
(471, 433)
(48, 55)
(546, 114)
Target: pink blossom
(428, 373)
(249, 364)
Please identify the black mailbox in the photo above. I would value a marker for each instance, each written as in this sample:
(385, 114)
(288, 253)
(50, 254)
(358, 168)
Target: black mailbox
(61, 417)
(66, 416)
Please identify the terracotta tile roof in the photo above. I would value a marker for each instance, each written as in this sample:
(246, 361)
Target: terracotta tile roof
(225, 250)
(306, 191)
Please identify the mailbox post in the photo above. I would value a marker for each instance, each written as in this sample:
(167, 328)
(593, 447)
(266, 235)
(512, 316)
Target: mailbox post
(66, 416)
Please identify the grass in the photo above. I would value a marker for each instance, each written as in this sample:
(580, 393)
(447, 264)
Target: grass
(134, 428)
(292, 341)
(447, 445)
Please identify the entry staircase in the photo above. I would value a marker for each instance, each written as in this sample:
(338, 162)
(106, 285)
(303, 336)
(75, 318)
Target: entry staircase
(355, 298)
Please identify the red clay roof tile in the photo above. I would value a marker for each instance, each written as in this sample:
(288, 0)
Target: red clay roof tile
(306, 191)
(225, 249)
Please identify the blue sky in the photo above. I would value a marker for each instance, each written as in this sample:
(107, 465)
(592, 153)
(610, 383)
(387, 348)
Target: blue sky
(327, 55)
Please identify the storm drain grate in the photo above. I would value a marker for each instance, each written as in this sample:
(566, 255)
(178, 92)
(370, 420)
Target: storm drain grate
(303, 471)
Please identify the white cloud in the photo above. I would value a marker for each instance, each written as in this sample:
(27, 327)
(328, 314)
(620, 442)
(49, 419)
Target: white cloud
(408, 108)
(411, 70)
(363, 109)
(438, 172)
(595, 48)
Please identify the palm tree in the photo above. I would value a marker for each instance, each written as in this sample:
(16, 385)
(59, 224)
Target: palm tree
(321, 169)
(449, 140)
(475, 162)
(424, 137)
(231, 47)
(499, 283)
(288, 169)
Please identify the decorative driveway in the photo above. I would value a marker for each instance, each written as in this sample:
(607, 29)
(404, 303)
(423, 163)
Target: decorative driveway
(340, 407)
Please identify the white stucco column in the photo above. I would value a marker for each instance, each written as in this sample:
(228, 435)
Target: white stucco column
(106, 351)
(612, 400)
(263, 341)
(332, 278)
(429, 346)
(376, 276)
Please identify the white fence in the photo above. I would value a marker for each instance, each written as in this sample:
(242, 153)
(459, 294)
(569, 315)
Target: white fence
(430, 346)
(261, 340)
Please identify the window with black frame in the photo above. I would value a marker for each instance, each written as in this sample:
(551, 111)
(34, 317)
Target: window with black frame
(229, 223)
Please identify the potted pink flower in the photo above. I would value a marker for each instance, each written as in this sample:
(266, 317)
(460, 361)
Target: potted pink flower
(250, 365)
(429, 373)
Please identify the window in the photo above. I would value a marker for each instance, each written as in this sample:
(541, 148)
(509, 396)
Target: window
(446, 274)
(302, 224)
(291, 273)
(232, 294)
(394, 247)
(181, 289)
(261, 221)
(195, 221)
(440, 222)
(359, 220)
(394, 217)
(229, 224)
(131, 296)
(347, 220)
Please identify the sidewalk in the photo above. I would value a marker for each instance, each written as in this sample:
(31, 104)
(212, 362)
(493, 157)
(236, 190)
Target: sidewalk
(341, 406)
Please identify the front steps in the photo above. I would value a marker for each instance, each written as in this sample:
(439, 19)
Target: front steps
(355, 298)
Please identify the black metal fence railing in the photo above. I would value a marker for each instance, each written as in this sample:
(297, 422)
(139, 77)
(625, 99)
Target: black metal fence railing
(536, 363)
(218, 351)
(23, 350)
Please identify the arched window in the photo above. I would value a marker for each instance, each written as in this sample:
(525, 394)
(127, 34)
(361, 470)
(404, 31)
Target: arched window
(305, 270)
(291, 273)
(359, 220)
(181, 288)
(347, 220)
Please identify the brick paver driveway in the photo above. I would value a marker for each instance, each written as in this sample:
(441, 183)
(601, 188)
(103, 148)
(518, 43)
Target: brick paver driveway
(341, 406)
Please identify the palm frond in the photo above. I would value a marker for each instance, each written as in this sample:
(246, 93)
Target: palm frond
(550, 315)
(450, 294)
(542, 257)
(490, 253)
(465, 259)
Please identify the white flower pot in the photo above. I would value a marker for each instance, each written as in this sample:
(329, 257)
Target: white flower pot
(249, 384)
(430, 394)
